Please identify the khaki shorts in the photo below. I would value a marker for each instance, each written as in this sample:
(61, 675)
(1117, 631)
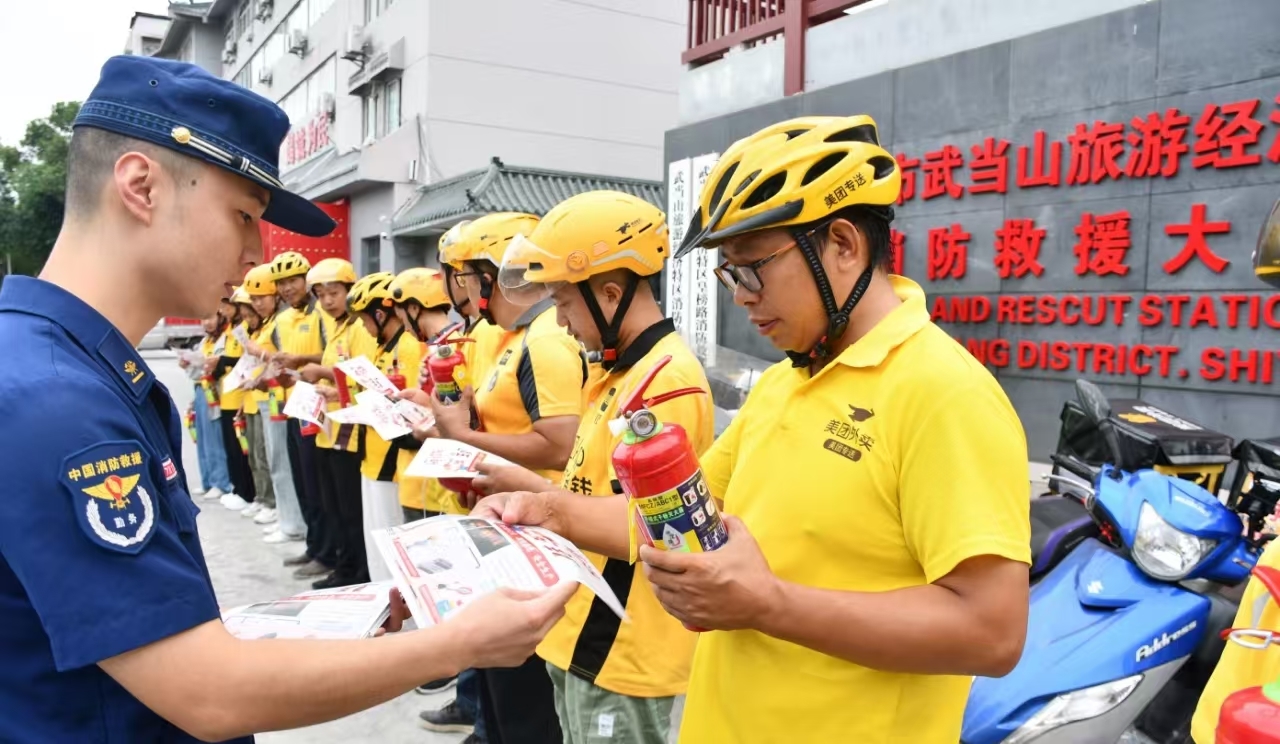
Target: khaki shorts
(593, 714)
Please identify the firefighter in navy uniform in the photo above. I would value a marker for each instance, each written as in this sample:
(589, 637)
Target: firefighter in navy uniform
(109, 627)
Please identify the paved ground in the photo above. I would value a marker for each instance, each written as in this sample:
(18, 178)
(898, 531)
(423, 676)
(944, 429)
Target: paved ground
(245, 569)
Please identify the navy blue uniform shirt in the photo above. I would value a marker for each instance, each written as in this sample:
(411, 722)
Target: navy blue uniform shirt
(98, 547)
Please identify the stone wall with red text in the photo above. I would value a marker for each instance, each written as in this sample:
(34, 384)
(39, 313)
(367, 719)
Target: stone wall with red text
(1084, 202)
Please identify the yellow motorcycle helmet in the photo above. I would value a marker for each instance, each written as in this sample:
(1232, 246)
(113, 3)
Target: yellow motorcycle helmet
(289, 264)
(1266, 255)
(798, 174)
(592, 233)
(486, 238)
(446, 248)
(258, 281)
(240, 297)
(423, 285)
(331, 270)
(371, 292)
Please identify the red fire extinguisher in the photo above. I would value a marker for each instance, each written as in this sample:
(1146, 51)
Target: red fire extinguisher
(1252, 715)
(340, 380)
(396, 377)
(659, 473)
(208, 385)
(275, 398)
(447, 368)
(239, 424)
(191, 423)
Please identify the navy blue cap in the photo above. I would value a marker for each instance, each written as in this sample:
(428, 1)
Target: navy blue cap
(182, 107)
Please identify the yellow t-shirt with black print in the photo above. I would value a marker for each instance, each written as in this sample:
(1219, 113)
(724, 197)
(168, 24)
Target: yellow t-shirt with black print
(650, 655)
(538, 372)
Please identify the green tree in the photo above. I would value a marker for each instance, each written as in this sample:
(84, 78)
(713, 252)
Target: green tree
(33, 178)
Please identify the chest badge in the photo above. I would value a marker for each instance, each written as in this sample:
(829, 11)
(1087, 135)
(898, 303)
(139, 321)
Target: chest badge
(850, 439)
(111, 494)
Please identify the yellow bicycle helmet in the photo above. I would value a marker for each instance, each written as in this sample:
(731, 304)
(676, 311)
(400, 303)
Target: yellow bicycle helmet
(289, 264)
(446, 248)
(1266, 256)
(371, 292)
(585, 235)
(798, 173)
(240, 297)
(258, 281)
(423, 285)
(331, 270)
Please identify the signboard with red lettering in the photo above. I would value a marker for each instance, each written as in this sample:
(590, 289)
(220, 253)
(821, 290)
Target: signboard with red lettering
(305, 140)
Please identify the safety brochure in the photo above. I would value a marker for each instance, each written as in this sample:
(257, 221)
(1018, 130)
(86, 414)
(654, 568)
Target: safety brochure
(346, 612)
(369, 376)
(443, 563)
(244, 375)
(306, 404)
(447, 458)
(382, 413)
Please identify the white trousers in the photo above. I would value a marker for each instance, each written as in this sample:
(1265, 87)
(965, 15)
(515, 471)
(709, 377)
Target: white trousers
(380, 505)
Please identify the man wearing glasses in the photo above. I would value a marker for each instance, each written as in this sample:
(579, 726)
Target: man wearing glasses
(874, 485)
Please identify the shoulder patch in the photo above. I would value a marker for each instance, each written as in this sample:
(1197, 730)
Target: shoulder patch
(111, 491)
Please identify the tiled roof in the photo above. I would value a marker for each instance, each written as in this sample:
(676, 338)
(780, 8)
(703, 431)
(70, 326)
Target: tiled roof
(504, 188)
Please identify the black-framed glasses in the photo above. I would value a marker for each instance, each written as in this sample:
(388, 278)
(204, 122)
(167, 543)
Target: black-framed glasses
(748, 275)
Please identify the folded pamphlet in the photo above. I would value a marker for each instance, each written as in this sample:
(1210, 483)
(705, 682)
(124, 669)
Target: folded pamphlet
(443, 563)
(346, 612)
(447, 458)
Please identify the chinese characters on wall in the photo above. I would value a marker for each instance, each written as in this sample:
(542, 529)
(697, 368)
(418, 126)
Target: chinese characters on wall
(690, 291)
(1161, 144)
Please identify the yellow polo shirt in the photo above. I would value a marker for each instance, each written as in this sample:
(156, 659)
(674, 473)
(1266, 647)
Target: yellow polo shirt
(301, 332)
(1240, 667)
(346, 340)
(402, 352)
(896, 462)
(650, 655)
(538, 371)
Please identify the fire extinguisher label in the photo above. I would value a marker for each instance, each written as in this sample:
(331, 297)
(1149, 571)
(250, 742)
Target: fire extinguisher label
(683, 519)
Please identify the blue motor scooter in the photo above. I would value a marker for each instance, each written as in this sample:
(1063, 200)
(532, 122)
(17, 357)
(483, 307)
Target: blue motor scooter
(1112, 624)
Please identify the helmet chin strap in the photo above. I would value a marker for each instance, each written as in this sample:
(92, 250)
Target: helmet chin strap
(486, 293)
(837, 318)
(608, 354)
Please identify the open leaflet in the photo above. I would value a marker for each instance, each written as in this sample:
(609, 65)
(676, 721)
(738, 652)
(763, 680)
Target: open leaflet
(346, 612)
(376, 405)
(447, 458)
(443, 563)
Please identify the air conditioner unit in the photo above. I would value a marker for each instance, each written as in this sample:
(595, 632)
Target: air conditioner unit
(248, 35)
(229, 53)
(265, 7)
(327, 104)
(356, 47)
(298, 43)
(413, 170)
(264, 77)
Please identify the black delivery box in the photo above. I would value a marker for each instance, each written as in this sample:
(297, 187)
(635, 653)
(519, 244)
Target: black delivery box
(1150, 437)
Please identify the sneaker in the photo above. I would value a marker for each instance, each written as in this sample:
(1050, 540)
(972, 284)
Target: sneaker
(234, 502)
(298, 560)
(214, 493)
(277, 537)
(434, 686)
(312, 570)
(251, 510)
(333, 581)
(273, 527)
(266, 516)
(447, 719)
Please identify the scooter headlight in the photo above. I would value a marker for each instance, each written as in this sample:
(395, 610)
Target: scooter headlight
(1163, 551)
(1079, 705)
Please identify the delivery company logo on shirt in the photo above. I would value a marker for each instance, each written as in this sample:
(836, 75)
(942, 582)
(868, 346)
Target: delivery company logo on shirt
(851, 438)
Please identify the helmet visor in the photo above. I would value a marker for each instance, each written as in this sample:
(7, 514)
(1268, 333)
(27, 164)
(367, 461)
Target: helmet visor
(523, 257)
(1266, 256)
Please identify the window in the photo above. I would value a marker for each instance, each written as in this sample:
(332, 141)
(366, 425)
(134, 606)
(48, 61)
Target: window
(297, 21)
(150, 46)
(372, 104)
(371, 10)
(273, 50)
(372, 255)
(244, 18)
(316, 9)
(393, 105)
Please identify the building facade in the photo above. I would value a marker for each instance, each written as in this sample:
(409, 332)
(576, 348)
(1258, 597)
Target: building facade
(391, 96)
(146, 32)
(1083, 184)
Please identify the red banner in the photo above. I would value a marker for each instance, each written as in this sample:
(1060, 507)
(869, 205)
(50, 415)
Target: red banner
(277, 240)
